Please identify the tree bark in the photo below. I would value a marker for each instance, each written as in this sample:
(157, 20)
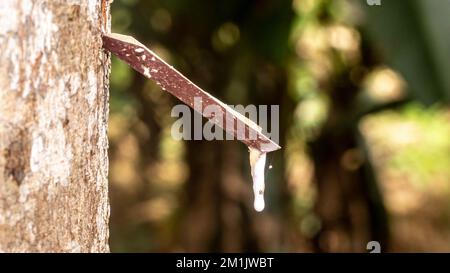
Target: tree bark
(53, 126)
(349, 202)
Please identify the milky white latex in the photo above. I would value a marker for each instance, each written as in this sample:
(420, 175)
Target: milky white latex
(257, 164)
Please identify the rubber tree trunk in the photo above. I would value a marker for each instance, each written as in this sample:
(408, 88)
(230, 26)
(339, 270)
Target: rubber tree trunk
(53, 126)
(349, 202)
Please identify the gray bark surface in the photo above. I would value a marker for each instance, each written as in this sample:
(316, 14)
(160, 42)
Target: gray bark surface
(53, 126)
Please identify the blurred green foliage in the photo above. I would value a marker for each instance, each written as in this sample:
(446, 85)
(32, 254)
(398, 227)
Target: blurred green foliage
(413, 36)
(423, 143)
(344, 74)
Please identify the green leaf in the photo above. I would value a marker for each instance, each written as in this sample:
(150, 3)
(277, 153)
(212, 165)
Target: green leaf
(413, 37)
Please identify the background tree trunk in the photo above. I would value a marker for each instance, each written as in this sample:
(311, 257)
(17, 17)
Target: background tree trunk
(53, 126)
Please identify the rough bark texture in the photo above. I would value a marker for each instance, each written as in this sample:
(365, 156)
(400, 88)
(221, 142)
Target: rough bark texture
(53, 126)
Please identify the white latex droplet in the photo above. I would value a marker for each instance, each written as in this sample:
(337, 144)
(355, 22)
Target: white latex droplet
(257, 163)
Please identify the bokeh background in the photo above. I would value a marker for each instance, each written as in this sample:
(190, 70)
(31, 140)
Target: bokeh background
(364, 95)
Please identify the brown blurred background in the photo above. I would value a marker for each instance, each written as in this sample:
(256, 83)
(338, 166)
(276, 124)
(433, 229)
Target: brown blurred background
(364, 127)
